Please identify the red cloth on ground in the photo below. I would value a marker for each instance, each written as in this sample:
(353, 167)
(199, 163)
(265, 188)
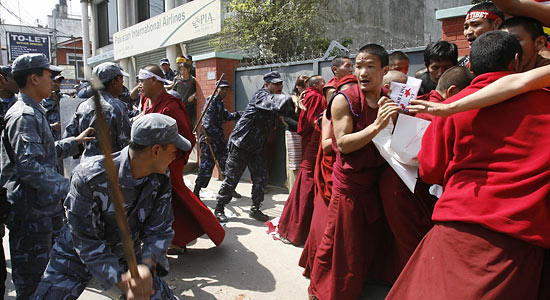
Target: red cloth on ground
(322, 177)
(466, 261)
(191, 217)
(432, 96)
(493, 164)
(315, 104)
(295, 220)
(354, 236)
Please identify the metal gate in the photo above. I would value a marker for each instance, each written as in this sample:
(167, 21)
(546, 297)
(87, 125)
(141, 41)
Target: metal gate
(249, 79)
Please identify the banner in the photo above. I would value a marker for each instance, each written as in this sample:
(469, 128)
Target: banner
(186, 22)
(23, 43)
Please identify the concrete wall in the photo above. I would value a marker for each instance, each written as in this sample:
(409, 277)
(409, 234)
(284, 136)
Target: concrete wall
(394, 24)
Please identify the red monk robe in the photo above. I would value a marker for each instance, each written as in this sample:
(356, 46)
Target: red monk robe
(323, 191)
(191, 217)
(432, 96)
(493, 218)
(353, 240)
(295, 220)
(323, 187)
(315, 103)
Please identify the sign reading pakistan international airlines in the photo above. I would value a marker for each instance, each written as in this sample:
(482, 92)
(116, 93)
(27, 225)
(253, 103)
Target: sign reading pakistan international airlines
(186, 22)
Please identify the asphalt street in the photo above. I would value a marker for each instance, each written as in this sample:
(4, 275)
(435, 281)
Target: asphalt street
(249, 264)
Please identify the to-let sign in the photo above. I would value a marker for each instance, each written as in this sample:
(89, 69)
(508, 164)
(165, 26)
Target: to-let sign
(23, 43)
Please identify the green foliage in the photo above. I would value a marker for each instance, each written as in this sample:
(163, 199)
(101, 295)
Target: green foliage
(274, 28)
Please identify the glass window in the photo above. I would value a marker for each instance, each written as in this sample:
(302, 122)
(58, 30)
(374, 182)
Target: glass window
(113, 18)
(156, 7)
(149, 8)
(142, 10)
(102, 25)
(107, 22)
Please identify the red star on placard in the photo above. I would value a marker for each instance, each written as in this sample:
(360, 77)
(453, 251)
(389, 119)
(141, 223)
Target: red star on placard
(407, 92)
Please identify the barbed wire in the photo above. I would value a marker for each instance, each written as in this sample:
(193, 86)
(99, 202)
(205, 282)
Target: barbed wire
(251, 60)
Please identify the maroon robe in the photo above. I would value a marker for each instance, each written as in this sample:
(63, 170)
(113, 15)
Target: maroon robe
(493, 217)
(323, 191)
(296, 217)
(432, 96)
(315, 104)
(191, 217)
(354, 236)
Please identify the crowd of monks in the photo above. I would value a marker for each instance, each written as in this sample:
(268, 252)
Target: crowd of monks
(486, 235)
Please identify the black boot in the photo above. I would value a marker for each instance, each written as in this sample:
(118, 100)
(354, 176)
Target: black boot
(256, 213)
(236, 195)
(197, 191)
(219, 213)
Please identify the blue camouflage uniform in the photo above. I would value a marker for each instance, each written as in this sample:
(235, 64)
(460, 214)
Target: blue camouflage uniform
(130, 107)
(35, 189)
(247, 143)
(5, 104)
(90, 243)
(53, 114)
(212, 122)
(116, 116)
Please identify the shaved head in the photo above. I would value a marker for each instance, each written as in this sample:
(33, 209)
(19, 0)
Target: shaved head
(394, 76)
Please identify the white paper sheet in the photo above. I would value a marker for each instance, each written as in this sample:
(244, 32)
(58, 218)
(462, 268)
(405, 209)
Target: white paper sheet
(403, 93)
(407, 138)
(407, 173)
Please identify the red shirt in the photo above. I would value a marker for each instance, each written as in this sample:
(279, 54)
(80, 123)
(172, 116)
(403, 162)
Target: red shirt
(432, 96)
(494, 164)
(169, 105)
(315, 104)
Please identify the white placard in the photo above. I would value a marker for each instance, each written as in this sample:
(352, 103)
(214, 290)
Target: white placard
(407, 138)
(211, 75)
(184, 23)
(68, 71)
(407, 173)
(403, 93)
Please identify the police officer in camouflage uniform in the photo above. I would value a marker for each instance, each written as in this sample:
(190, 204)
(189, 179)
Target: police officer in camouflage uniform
(51, 105)
(7, 99)
(115, 111)
(8, 91)
(28, 172)
(247, 143)
(212, 122)
(90, 243)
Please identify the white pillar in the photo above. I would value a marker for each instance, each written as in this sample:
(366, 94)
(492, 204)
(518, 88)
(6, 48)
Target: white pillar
(121, 10)
(93, 26)
(171, 51)
(85, 37)
(122, 23)
(132, 17)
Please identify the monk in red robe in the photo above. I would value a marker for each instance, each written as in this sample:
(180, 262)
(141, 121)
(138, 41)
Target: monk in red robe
(492, 220)
(191, 217)
(450, 83)
(409, 214)
(341, 66)
(346, 254)
(323, 185)
(296, 217)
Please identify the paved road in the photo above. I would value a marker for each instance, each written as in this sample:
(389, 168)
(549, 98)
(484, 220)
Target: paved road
(249, 264)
